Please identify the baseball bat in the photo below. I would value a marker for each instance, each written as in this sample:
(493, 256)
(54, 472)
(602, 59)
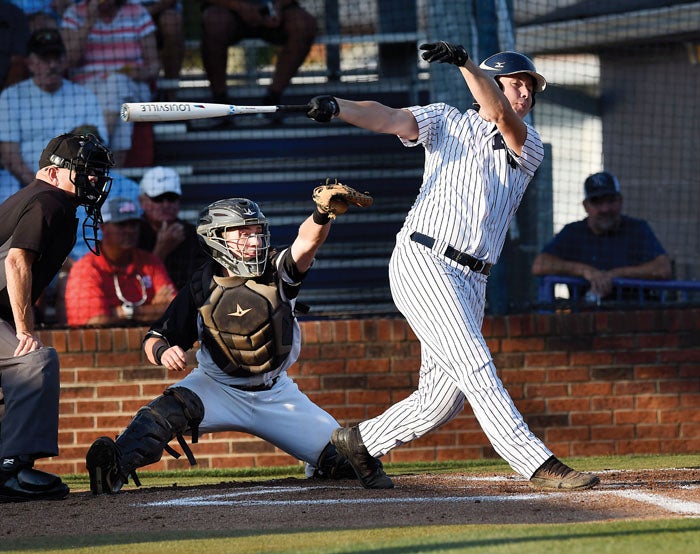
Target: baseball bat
(183, 111)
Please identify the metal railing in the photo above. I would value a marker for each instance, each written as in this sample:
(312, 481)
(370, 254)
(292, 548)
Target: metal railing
(626, 292)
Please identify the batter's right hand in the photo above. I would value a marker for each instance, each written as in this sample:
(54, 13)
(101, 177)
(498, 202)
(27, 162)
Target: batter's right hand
(323, 108)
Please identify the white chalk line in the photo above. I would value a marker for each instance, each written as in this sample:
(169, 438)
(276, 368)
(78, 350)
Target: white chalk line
(674, 505)
(683, 507)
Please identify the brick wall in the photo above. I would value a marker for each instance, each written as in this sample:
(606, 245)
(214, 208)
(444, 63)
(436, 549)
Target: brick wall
(588, 384)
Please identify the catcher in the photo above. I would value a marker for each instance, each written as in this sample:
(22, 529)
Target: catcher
(240, 306)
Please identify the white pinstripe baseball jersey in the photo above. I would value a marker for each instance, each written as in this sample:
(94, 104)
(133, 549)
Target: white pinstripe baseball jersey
(472, 185)
(471, 188)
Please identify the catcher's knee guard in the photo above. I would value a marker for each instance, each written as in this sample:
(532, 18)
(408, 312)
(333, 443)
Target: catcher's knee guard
(142, 443)
(333, 465)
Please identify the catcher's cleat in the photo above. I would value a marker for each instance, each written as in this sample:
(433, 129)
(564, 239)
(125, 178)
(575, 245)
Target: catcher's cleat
(555, 475)
(368, 469)
(102, 461)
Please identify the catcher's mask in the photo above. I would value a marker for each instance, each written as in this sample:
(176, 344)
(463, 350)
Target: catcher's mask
(227, 215)
(505, 64)
(89, 162)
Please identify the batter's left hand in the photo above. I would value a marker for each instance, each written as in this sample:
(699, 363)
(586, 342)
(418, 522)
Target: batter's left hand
(444, 52)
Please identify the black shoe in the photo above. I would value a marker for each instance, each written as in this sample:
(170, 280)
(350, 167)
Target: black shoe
(102, 462)
(555, 475)
(368, 469)
(27, 484)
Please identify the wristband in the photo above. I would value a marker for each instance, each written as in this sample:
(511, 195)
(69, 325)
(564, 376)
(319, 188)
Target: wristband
(320, 218)
(158, 352)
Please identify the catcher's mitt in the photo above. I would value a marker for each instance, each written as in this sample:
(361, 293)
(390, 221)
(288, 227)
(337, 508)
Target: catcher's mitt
(334, 198)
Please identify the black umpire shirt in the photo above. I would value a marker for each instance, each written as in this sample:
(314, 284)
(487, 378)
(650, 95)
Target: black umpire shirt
(40, 218)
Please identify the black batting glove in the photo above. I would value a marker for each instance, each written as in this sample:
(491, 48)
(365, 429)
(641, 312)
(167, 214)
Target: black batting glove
(323, 108)
(444, 52)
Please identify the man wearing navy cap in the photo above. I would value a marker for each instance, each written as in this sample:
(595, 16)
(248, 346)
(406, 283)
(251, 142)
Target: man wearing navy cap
(606, 245)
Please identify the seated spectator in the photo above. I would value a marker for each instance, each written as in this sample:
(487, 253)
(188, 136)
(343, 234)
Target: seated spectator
(170, 238)
(40, 108)
(123, 283)
(112, 50)
(42, 14)
(283, 23)
(606, 245)
(14, 35)
(167, 16)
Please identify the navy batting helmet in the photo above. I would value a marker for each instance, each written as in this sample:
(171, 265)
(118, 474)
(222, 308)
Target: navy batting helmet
(509, 63)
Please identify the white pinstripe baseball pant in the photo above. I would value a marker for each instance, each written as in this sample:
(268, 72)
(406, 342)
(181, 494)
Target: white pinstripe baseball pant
(444, 305)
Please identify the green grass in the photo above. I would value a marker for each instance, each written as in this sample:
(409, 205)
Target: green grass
(639, 537)
(616, 537)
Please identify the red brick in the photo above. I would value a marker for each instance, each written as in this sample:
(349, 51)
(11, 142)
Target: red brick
(668, 402)
(612, 432)
(547, 359)
(591, 389)
(636, 416)
(375, 365)
(591, 358)
(568, 374)
(522, 345)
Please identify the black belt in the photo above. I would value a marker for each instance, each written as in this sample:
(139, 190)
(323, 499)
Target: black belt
(257, 388)
(462, 258)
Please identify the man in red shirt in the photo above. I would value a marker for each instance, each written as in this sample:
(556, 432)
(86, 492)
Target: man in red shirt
(125, 283)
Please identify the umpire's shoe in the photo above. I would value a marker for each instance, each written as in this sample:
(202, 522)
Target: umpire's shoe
(20, 482)
(102, 462)
(369, 470)
(555, 475)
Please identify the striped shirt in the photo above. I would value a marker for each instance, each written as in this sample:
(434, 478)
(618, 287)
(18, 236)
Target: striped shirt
(110, 46)
(472, 184)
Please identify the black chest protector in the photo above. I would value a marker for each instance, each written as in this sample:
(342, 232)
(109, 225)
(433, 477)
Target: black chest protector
(249, 322)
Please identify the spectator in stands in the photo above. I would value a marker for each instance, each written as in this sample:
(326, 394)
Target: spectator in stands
(167, 16)
(40, 108)
(112, 50)
(283, 22)
(42, 14)
(170, 238)
(606, 244)
(14, 35)
(123, 283)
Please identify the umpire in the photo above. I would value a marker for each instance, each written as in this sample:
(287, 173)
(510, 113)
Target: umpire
(38, 228)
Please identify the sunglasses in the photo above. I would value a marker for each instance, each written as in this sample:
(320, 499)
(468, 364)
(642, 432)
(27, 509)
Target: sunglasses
(166, 197)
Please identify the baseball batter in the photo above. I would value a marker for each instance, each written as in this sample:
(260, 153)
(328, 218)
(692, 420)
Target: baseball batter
(477, 167)
(240, 307)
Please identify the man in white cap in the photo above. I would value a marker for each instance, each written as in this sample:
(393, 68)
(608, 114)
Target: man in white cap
(170, 238)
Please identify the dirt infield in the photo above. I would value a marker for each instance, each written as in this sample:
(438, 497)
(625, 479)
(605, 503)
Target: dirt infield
(424, 499)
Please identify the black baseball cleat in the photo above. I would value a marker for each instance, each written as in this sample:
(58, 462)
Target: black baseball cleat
(348, 442)
(21, 483)
(102, 462)
(555, 475)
